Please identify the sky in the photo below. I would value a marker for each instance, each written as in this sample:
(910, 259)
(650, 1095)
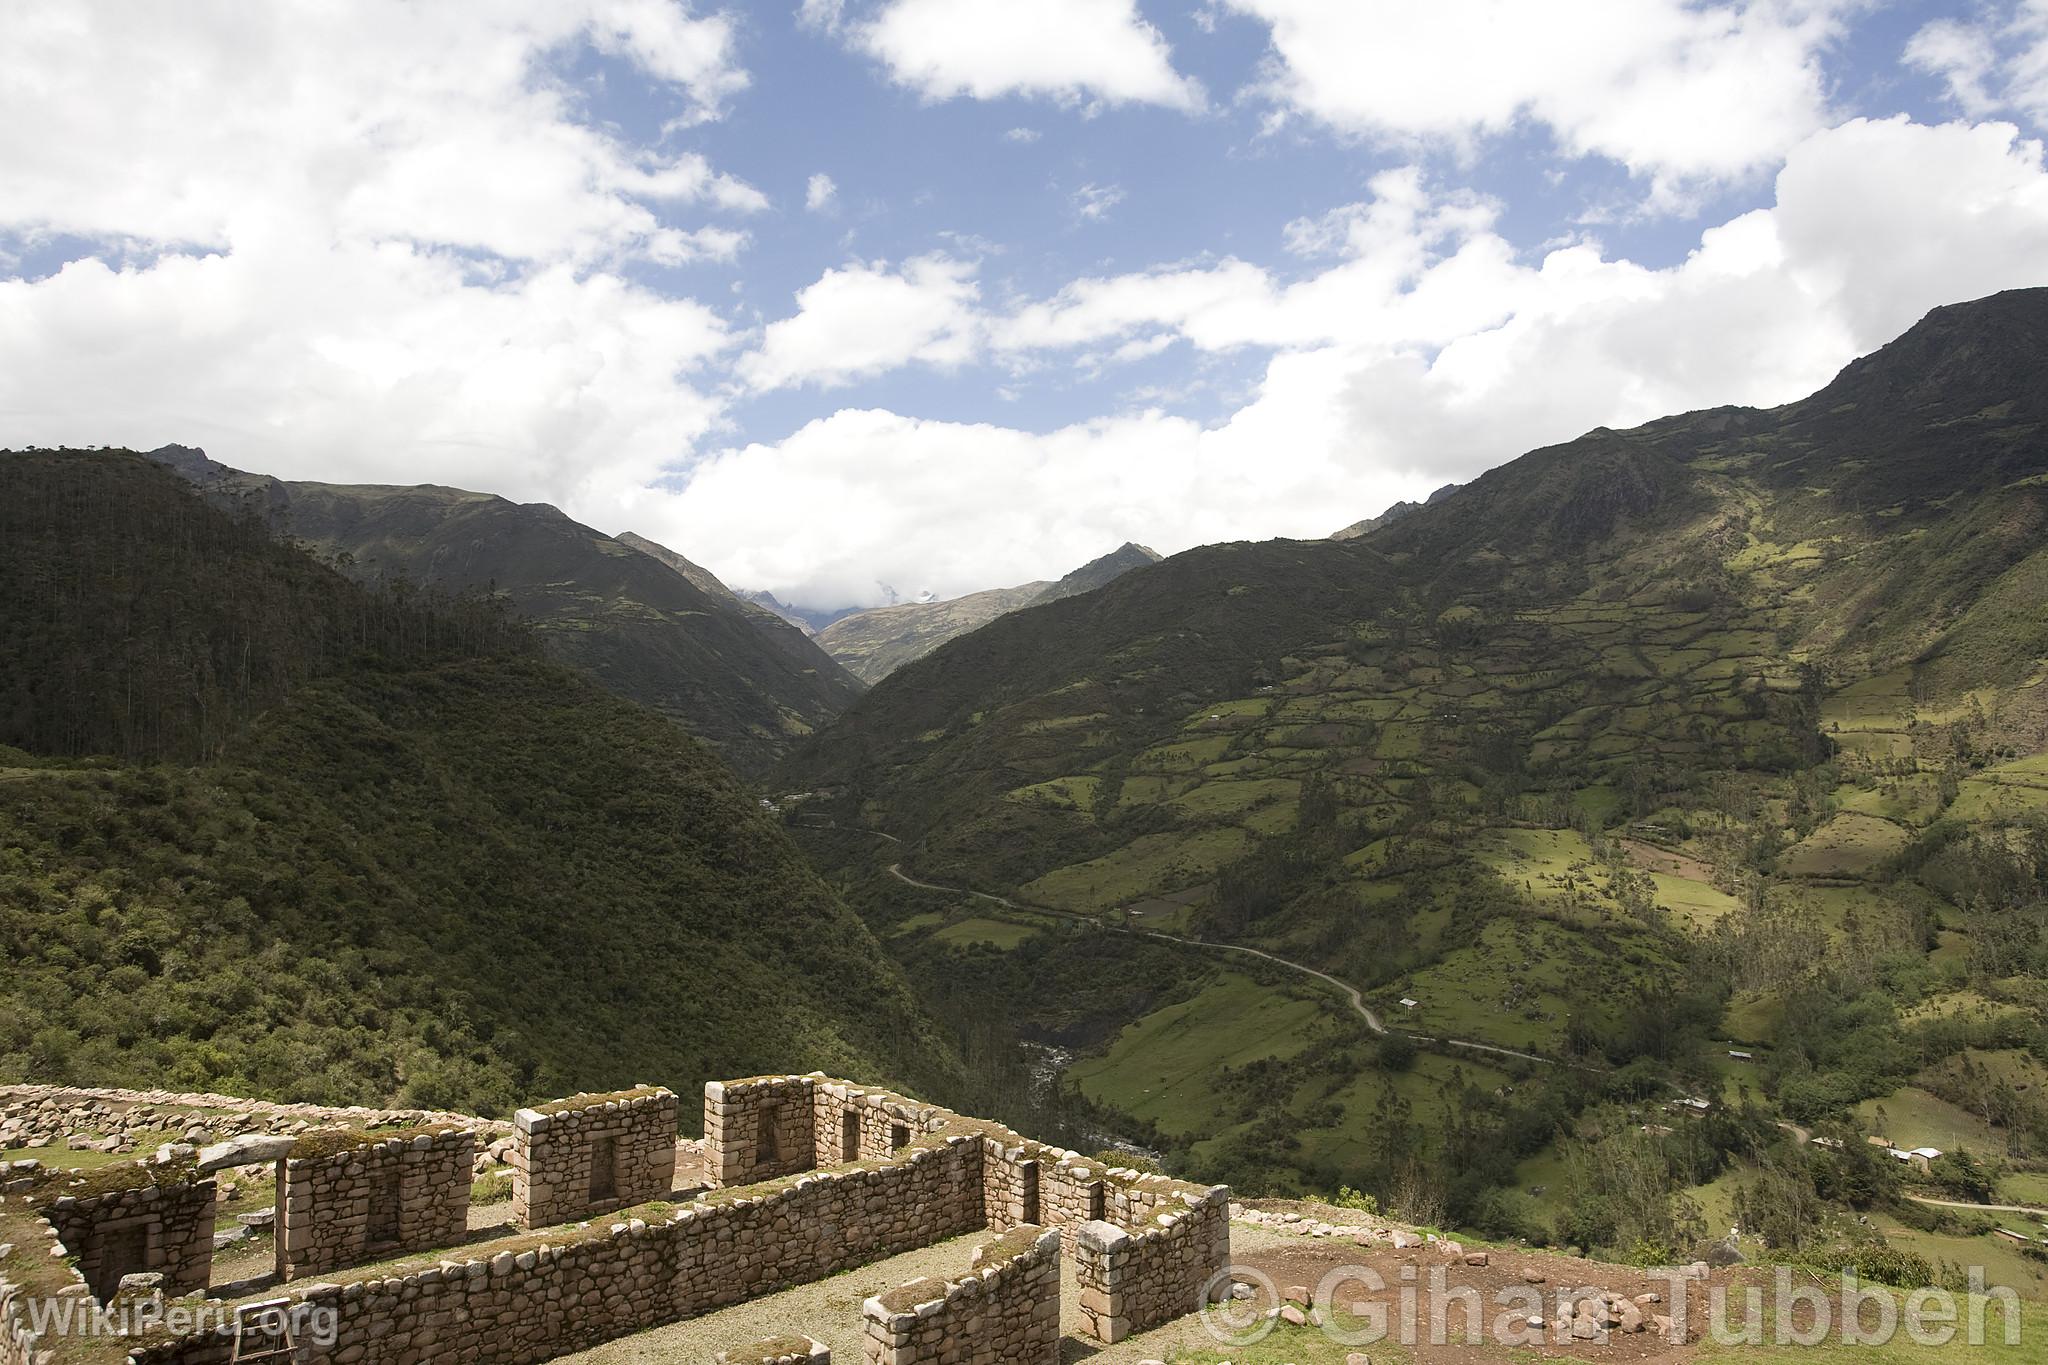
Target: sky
(851, 300)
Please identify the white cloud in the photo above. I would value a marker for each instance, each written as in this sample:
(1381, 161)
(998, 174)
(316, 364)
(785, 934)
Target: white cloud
(1095, 202)
(1072, 51)
(1680, 93)
(826, 15)
(369, 362)
(1430, 352)
(865, 319)
(373, 121)
(377, 241)
(820, 193)
(1990, 64)
(1024, 135)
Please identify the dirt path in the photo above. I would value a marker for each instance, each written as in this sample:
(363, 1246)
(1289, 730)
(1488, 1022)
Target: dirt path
(1981, 1208)
(1354, 995)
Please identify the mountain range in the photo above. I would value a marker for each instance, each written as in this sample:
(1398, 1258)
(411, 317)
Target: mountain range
(1595, 853)
(874, 643)
(1707, 753)
(644, 621)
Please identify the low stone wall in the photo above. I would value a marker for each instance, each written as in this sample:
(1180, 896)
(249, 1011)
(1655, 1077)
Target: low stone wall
(345, 1197)
(853, 1123)
(20, 1344)
(530, 1301)
(777, 1351)
(759, 1129)
(1029, 1182)
(157, 1218)
(593, 1154)
(1132, 1280)
(1007, 1309)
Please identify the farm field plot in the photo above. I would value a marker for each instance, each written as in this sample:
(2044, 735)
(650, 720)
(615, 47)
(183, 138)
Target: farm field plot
(1146, 866)
(1913, 800)
(1911, 1117)
(2025, 1187)
(1850, 845)
(2009, 791)
(1162, 1067)
(2002, 1261)
(1516, 987)
(1966, 1003)
(1549, 864)
(995, 933)
(1430, 1088)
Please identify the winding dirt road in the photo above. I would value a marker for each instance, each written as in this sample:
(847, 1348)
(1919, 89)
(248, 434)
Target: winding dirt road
(1356, 998)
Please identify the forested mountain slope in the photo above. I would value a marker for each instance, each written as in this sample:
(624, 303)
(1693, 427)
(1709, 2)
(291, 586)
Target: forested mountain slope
(1721, 734)
(628, 613)
(269, 831)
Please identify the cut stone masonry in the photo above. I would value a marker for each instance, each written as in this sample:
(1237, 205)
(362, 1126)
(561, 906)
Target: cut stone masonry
(815, 1176)
(593, 1154)
(355, 1197)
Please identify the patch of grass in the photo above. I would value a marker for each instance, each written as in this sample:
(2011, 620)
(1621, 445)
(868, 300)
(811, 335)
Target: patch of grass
(1075, 794)
(1850, 845)
(2009, 791)
(494, 1188)
(1146, 866)
(63, 1158)
(1911, 1117)
(1161, 1067)
(994, 932)
(1697, 903)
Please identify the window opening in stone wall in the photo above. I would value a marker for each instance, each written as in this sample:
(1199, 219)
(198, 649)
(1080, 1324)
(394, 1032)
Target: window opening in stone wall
(767, 1143)
(849, 1136)
(604, 1169)
(899, 1137)
(1095, 1202)
(123, 1251)
(1028, 1205)
(382, 1228)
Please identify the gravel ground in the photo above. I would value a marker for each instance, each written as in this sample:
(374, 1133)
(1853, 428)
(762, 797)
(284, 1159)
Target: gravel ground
(830, 1311)
(826, 1309)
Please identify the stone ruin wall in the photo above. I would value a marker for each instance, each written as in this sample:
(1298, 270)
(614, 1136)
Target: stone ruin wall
(19, 1344)
(761, 1129)
(592, 1155)
(377, 1194)
(1132, 1280)
(857, 1123)
(584, 1287)
(163, 1226)
(531, 1297)
(1007, 1308)
(133, 1121)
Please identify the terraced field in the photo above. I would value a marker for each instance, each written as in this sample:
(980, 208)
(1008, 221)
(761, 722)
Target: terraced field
(1725, 733)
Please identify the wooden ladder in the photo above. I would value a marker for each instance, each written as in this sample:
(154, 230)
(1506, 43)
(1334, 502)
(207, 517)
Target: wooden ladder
(272, 1336)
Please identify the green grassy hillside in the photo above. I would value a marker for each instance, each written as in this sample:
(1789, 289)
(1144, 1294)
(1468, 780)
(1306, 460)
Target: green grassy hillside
(408, 860)
(1721, 728)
